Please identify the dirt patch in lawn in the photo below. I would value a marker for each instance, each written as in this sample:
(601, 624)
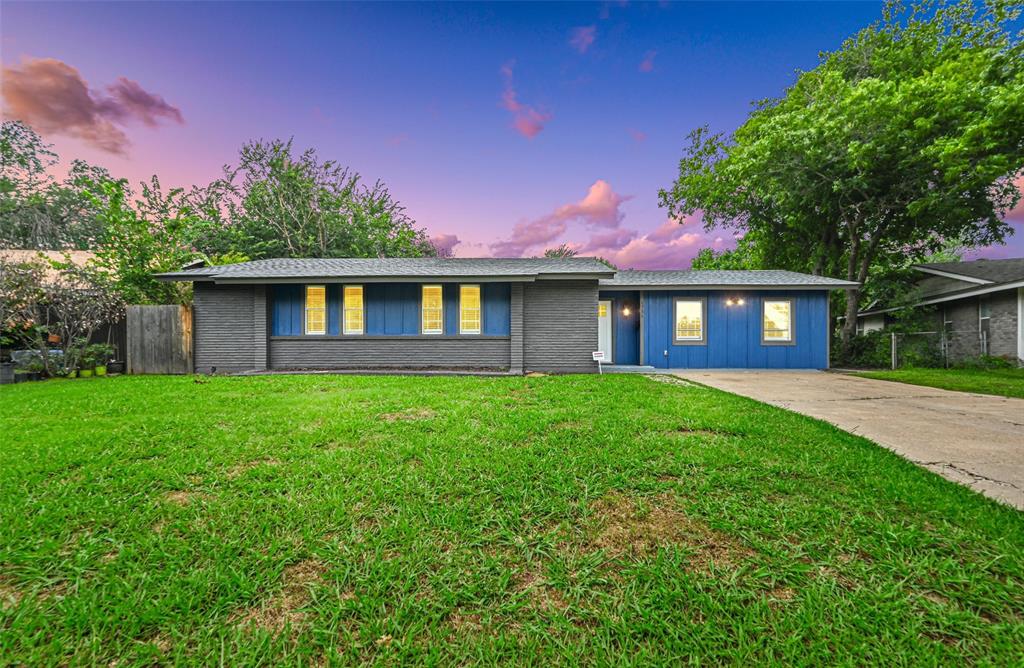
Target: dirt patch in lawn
(238, 469)
(10, 595)
(181, 497)
(628, 526)
(285, 608)
(531, 583)
(695, 431)
(410, 414)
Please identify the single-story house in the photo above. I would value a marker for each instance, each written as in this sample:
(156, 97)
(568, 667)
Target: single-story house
(979, 307)
(515, 315)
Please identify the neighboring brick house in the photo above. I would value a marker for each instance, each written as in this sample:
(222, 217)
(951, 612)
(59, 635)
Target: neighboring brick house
(979, 307)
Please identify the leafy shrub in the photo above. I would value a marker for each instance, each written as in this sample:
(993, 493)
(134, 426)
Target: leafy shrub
(987, 362)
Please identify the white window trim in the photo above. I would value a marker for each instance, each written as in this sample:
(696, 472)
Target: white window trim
(480, 309)
(344, 311)
(791, 340)
(423, 310)
(306, 309)
(689, 340)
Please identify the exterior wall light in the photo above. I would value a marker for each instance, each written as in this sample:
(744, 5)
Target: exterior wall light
(625, 311)
(734, 302)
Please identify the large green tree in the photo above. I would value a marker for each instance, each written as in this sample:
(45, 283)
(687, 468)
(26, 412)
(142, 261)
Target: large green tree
(286, 204)
(911, 134)
(37, 210)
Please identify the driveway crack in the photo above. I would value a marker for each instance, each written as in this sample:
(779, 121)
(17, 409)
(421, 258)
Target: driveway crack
(977, 477)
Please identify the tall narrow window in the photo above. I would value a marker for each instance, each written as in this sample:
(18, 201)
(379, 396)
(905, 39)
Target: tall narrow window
(353, 320)
(469, 309)
(316, 309)
(689, 324)
(433, 309)
(777, 321)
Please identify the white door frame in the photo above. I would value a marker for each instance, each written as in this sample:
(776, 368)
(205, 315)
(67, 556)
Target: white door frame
(606, 322)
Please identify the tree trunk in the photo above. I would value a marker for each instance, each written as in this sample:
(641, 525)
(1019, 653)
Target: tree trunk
(850, 322)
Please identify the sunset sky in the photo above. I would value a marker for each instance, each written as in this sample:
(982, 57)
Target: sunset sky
(503, 128)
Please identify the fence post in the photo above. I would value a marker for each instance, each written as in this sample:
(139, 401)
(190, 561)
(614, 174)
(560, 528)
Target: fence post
(893, 346)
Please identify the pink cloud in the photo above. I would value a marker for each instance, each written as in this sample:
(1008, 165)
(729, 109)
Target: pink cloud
(669, 246)
(445, 244)
(583, 37)
(526, 119)
(611, 239)
(53, 98)
(647, 64)
(398, 140)
(638, 136)
(600, 208)
(528, 235)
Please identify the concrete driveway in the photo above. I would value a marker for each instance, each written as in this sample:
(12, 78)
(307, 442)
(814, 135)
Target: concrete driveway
(973, 439)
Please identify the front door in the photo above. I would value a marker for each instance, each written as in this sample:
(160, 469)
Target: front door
(604, 329)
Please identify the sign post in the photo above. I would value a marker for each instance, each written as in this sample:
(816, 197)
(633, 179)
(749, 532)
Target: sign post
(598, 357)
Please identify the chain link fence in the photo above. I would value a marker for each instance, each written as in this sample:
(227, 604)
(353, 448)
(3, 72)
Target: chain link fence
(940, 349)
(935, 349)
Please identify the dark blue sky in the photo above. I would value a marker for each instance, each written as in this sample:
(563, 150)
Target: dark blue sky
(563, 119)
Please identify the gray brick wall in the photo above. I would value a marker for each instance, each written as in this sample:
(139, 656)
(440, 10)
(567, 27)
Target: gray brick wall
(963, 335)
(560, 326)
(516, 331)
(382, 352)
(1003, 324)
(223, 327)
(260, 327)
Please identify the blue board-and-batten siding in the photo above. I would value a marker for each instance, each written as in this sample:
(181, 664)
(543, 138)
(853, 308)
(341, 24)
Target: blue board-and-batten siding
(733, 333)
(391, 309)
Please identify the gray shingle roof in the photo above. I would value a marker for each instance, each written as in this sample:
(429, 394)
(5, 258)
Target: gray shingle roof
(721, 278)
(997, 271)
(370, 268)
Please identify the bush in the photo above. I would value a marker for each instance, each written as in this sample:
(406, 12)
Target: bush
(870, 351)
(987, 363)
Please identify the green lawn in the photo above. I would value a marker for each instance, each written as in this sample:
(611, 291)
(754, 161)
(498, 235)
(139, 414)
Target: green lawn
(292, 520)
(1003, 382)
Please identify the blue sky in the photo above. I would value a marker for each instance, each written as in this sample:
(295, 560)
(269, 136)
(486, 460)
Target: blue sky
(495, 124)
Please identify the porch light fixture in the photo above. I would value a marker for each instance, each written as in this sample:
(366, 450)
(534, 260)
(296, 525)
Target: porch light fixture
(734, 301)
(625, 311)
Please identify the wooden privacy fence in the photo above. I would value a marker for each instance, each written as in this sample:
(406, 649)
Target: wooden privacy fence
(159, 339)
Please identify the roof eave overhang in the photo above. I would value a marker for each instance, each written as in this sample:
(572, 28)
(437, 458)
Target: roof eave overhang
(953, 275)
(939, 299)
(723, 286)
(475, 278)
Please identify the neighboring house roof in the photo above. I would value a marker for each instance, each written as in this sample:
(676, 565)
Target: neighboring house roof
(374, 269)
(722, 279)
(987, 271)
(969, 279)
(77, 257)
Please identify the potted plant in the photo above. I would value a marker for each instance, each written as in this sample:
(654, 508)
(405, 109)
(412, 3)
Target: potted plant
(86, 362)
(100, 354)
(34, 369)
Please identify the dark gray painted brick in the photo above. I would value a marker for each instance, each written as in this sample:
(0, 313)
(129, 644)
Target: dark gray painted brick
(379, 352)
(223, 327)
(560, 326)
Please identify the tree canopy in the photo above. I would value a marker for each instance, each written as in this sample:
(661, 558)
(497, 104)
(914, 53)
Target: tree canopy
(910, 135)
(273, 203)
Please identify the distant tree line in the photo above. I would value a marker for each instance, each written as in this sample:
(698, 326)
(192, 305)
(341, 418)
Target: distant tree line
(275, 202)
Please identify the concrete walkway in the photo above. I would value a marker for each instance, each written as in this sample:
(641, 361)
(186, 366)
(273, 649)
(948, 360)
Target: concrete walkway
(973, 439)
